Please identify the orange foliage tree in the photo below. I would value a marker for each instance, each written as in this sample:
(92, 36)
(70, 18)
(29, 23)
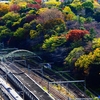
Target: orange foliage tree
(76, 34)
(4, 8)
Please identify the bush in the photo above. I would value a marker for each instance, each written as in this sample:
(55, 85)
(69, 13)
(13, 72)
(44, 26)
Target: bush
(53, 42)
(74, 55)
(53, 3)
(19, 33)
(11, 16)
(75, 35)
(88, 4)
(4, 8)
(5, 34)
(96, 43)
(46, 15)
(33, 34)
(55, 24)
(14, 7)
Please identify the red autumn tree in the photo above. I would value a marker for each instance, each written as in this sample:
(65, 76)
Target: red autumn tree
(38, 1)
(36, 6)
(76, 34)
(14, 7)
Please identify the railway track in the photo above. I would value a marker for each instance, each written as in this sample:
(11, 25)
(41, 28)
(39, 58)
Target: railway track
(51, 76)
(56, 94)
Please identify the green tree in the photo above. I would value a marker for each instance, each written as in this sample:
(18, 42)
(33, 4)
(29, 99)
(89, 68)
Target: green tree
(5, 33)
(53, 42)
(33, 34)
(88, 4)
(11, 16)
(19, 33)
(74, 55)
(27, 26)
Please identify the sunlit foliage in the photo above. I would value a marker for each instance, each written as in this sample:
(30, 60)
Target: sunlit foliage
(4, 8)
(77, 5)
(76, 34)
(11, 16)
(19, 33)
(86, 60)
(74, 55)
(96, 43)
(33, 34)
(68, 14)
(53, 3)
(53, 42)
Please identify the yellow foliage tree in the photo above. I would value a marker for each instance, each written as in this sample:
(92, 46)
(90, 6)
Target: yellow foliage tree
(96, 43)
(53, 3)
(85, 60)
(68, 14)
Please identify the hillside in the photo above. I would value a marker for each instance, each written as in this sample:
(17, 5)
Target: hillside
(65, 33)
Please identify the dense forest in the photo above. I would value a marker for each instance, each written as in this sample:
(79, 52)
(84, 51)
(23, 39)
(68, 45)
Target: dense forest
(66, 33)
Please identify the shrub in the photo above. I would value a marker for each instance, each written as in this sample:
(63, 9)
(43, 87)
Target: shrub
(27, 26)
(11, 16)
(35, 6)
(49, 14)
(75, 35)
(96, 43)
(33, 24)
(53, 3)
(5, 34)
(54, 23)
(14, 7)
(30, 17)
(88, 4)
(33, 34)
(74, 55)
(53, 42)
(4, 8)
(19, 33)
(84, 61)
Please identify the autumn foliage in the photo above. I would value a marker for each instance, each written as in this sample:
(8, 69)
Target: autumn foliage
(36, 6)
(14, 7)
(4, 8)
(76, 34)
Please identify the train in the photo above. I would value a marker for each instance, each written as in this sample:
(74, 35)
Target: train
(9, 90)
